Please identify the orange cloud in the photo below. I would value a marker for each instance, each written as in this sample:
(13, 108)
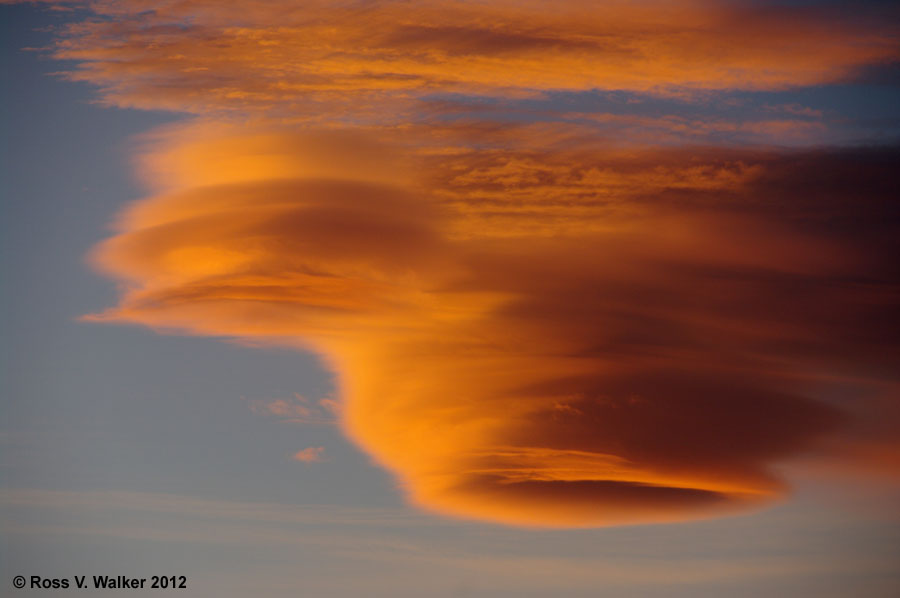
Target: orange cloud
(312, 454)
(297, 410)
(321, 60)
(555, 338)
(553, 322)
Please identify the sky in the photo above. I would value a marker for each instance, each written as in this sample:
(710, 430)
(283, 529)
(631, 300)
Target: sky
(452, 298)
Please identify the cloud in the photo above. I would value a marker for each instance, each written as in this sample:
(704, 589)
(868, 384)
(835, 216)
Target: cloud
(567, 337)
(297, 410)
(234, 511)
(539, 314)
(312, 454)
(326, 60)
(313, 544)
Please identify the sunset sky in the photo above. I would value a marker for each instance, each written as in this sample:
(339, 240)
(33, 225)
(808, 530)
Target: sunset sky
(453, 297)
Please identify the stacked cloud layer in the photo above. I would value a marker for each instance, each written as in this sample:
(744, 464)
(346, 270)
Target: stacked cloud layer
(533, 321)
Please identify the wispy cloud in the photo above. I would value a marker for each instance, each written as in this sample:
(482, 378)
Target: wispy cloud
(326, 59)
(312, 454)
(298, 409)
(209, 508)
(312, 546)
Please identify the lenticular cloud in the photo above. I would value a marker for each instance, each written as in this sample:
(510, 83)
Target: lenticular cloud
(533, 322)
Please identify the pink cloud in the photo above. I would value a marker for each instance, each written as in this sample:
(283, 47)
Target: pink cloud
(297, 409)
(312, 454)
